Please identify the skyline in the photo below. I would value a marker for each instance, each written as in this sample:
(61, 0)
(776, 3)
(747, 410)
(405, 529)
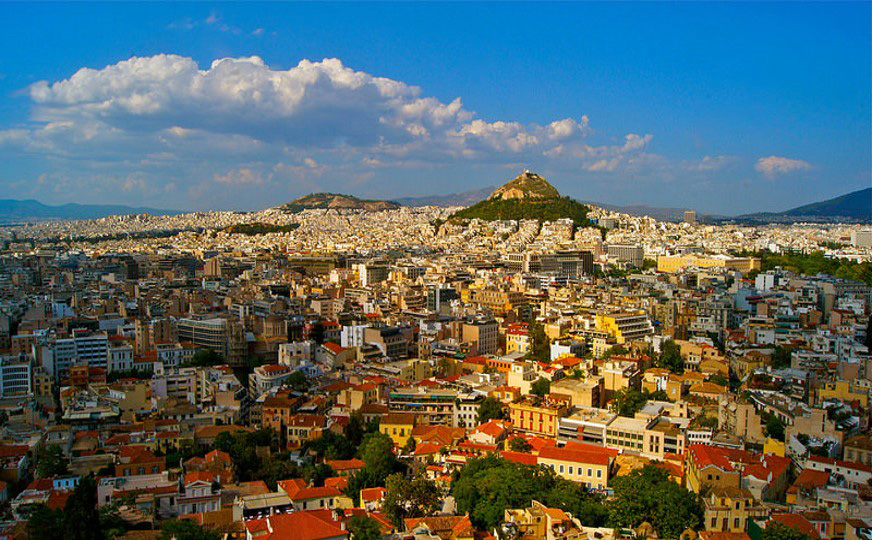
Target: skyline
(196, 107)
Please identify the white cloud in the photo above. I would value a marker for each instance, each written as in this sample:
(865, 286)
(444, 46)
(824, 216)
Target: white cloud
(241, 176)
(192, 126)
(317, 105)
(774, 165)
(709, 163)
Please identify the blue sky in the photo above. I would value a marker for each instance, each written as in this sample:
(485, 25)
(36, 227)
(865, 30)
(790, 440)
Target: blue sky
(723, 107)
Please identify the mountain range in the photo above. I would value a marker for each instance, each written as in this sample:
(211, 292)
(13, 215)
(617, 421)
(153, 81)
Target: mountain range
(855, 206)
(12, 210)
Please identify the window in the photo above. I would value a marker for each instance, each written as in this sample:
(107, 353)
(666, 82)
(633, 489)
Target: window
(599, 473)
(590, 472)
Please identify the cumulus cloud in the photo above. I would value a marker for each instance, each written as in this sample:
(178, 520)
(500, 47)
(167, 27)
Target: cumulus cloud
(316, 105)
(773, 165)
(166, 112)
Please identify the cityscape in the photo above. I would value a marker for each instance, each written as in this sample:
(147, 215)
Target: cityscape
(262, 279)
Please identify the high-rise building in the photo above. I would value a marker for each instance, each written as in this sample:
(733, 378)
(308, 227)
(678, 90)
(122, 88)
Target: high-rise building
(483, 332)
(224, 336)
(690, 216)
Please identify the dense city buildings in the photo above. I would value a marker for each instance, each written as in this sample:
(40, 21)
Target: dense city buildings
(256, 383)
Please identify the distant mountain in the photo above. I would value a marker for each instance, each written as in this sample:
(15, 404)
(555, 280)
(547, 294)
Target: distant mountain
(464, 198)
(529, 196)
(12, 210)
(857, 204)
(336, 200)
(854, 206)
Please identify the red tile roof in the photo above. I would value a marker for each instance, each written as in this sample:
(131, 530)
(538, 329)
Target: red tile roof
(796, 522)
(520, 457)
(312, 525)
(575, 456)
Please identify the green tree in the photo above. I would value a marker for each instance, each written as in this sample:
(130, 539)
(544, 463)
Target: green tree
(410, 498)
(707, 421)
(541, 387)
(409, 447)
(486, 487)
(242, 447)
(298, 381)
(377, 453)
(615, 350)
(781, 357)
(540, 343)
(774, 426)
(81, 508)
(51, 462)
(717, 378)
(648, 494)
(331, 446)
(364, 528)
(316, 474)
(520, 444)
(490, 409)
(205, 358)
(628, 401)
(183, 529)
(670, 357)
(778, 531)
(45, 524)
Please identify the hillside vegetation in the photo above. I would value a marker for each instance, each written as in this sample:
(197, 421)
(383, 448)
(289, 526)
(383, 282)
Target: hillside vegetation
(529, 196)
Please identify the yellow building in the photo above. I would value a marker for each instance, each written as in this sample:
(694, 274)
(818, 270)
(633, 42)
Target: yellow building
(727, 509)
(583, 464)
(625, 326)
(846, 391)
(531, 416)
(681, 262)
(772, 446)
(398, 426)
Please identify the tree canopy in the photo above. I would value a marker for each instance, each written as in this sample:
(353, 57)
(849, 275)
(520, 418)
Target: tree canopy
(778, 531)
(80, 508)
(486, 487)
(628, 401)
(541, 387)
(670, 357)
(647, 494)
(183, 529)
(364, 528)
(410, 498)
(490, 409)
(51, 462)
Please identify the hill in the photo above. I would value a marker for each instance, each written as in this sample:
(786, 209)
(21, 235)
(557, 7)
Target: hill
(857, 204)
(852, 207)
(529, 196)
(336, 200)
(12, 210)
(464, 198)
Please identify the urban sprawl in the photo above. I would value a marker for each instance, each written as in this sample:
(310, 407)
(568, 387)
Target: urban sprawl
(398, 374)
